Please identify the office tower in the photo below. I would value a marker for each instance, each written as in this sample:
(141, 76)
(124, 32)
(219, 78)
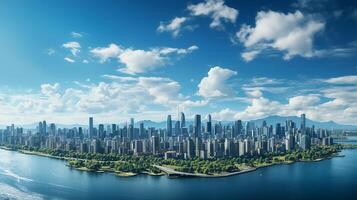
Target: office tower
(247, 128)
(177, 128)
(142, 130)
(130, 132)
(209, 125)
(197, 126)
(305, 142)
(52, 130)
(91, 130)
(289, 142)
(168, 126)
(198, 145)
(39, 128)
(303, 122)
(271, 144)
(183, 120)
(101, 131)
(278, 131)
(241, 147)
(114, 130)
(132, 122)
(238, 128)
(44, 128)
(190, 148)
(155, 144)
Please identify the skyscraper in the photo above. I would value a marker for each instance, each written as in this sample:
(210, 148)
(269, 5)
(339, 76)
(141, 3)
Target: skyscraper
(132, 122)
(303, 122)
(91, 131)
(169, 126)
(183, 120)
(209, 125)
(142, 130)
(197, 126)
(238, 128)
(44, 128)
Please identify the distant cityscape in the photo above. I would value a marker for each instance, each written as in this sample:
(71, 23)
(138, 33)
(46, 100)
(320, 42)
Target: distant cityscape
(177, 140)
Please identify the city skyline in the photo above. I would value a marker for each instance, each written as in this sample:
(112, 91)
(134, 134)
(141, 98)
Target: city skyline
(118, 60)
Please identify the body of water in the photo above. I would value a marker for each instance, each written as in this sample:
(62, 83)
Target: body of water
(34, 177)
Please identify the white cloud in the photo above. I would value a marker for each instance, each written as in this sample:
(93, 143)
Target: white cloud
(76, 35)
(291, 33)
(216, 9)
(215, 84)
(104, 53)
(48, 89)
(74, 47)
(174, 26)
(343, 80)
(117, 99)
(69, 60)
(250, 55)
(137, 60)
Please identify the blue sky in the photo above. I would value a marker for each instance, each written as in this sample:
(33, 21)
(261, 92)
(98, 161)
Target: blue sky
(64, 61)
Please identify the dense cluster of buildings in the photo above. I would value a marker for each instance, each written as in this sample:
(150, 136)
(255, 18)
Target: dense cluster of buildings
(179, 138)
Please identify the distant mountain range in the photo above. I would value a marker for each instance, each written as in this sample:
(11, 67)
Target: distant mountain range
(270, 120)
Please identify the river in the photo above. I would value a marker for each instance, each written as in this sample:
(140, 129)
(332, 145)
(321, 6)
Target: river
(34, 177)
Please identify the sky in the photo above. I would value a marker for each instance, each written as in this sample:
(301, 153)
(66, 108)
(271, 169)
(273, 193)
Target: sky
(63, 61)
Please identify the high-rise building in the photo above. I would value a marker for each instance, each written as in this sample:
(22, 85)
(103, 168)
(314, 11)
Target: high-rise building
(91, 130)
(101, 131)
(155, 144)
(209, 125)
(52, 130)
(238, 128)
(44, 128)
(142, 130)
(303, 122)
(197, 126)
(183, 120)
(168, 126)
(132, 122)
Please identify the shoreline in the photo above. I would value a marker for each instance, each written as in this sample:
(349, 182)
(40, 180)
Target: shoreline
(166, 170)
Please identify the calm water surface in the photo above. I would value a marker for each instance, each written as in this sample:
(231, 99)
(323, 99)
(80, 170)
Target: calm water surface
(33, 177)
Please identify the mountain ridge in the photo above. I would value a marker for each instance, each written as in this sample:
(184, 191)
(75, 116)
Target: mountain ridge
(271, 120)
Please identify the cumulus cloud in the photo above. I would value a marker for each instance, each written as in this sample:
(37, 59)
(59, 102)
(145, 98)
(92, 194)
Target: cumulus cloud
(74, 47)
(216, 9)
(216, 83)
(119, 96)
(249, 55)
(291, 33)
(137, 60)
(174, 26)
(343, 80)
(105, 53)
(332, 103)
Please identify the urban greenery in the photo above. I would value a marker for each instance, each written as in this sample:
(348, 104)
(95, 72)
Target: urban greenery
(145, 164)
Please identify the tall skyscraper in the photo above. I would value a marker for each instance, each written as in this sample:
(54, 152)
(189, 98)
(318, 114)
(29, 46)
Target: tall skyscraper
(44, 128)
(303, 122)
(132, 121)
(141, 130)
(209, 125)
(101, 131)
(183, 120)
(169, 126)
(91, 130)
(197, 126)
(238, 128)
